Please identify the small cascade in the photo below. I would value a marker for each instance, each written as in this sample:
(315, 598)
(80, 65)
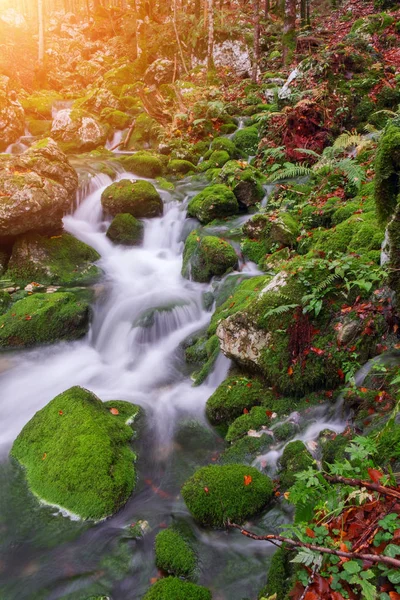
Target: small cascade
(115, 141)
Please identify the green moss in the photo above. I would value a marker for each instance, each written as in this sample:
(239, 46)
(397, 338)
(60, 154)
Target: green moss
(173, 554)
(137, 198)
(216, 160)
(255, 419)
(181, 167)
(40, 104)
(333, 448)
(58, 260)
(228, 128)
(125, 229)
(39, 127)
(246, 140)
(172, 588)
(274, 232)
(295, 458)
(387, 169)
(372, 24)
(214, 202)
(43, 319)
(206, 257)
(359, 233)
(254, 250)
(76, 455)
(279, 574)
(225, 144)
(245, 450)
(212, 352)
(285, 431)
(145, 133)
(232, 397)
(219, 492)
(143, 164)
(5, 301)
(115, 118)
(244, 180)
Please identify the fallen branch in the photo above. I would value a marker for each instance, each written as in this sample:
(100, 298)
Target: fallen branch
(375, 487)
(126, 140)
(386, 560)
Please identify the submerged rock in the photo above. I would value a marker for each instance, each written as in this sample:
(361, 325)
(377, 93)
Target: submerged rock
(12, 116)
(218, 493)
(76, 454)
(205, 257)
(137, 198)
(59, 260)
(126, 230)
(36, 189)
(175, 589)
(44, 319)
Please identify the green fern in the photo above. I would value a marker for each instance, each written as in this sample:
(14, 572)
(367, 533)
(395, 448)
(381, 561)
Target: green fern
(346, 140)
(280, 310)
(327, 282)
(291, 172)
(308, 152)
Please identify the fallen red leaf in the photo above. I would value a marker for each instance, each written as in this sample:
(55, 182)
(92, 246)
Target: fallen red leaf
(114, 411)
(247, 479)
(375, 475)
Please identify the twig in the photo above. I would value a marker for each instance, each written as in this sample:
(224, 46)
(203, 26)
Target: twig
(376, 487)
(126, 140)
(393, 562)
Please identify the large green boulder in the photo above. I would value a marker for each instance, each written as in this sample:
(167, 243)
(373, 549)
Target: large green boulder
(232, 397)
(143, 164)
(44, 319)
(246, 140)
(216, 160)
(206, 257)
(76, 454)
(172, 588)
(218, 493)
(59, 260)
(173, 553)
(126, 230)
(117, 119)
(181, 167)
(214, 202)
(137, 198)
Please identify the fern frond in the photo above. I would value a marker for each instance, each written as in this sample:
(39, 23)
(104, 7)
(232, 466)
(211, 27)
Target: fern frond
(352, 171)
(346, 140)
(327, 282)
(280, 310)
(290, 173)
(369, 128)
(308, 152)
(275, 153)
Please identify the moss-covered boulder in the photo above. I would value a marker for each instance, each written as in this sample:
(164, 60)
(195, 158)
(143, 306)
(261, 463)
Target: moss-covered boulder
(126, 229)
(145, 134)
(39, 127)
(387, 169)
(256, 419)
(216, 160)
(275, 232)
(206, 257)
(12, 117)
(137, 198)
(117, 119)
(76, 454)
(295, 458)
(59, 260)
(214, 202)
(244, 180)
(143, 164)
(36, 189)
(232, 397)
(181, 167)
(172, 588)
(246, 140)
(173, 553)
(40, 104)
(218, 493)
(225, 144)
(77, 130)
(43, 319)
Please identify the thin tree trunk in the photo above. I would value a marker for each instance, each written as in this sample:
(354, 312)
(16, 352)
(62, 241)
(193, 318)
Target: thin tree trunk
(210, 50)
(41, 34)
(256, 47)
(289, 31)
(178, 40)
(267, 8)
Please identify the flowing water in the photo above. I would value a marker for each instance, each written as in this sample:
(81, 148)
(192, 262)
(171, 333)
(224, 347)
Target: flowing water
(143, 313)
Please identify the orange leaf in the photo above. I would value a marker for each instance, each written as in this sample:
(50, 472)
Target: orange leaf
(394, 596)
(290, 371)
(341, 374)
(363, 390)
(247, 479)
(44, 456)
(249, 385)
(375, 475)
(317, 350)
(114, 411)
(269, 413)
(310, 532)
(60, 412)
(245, 411)
(206, 490)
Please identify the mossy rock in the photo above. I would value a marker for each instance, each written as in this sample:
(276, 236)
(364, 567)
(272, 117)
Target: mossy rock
(126, 230)
(232, 397)
(257, 418)
(246, 140)
(145, 134)
(181, 167)
(275, 231)
(143, 164)
(246, 449)
(216, 160)
(58, 260)
(225, 144)
(137, 198)
(173, 554)
(5, 301)
(40, 104)
(279, 576)
(39, 127)
(44, 319)
(244, 180)
(387, 172)
(295, 458)
(76, 453)
(3, 261)
(117, 119)
(228, 128)
(172, 588)
(214, 202)
(211, 349)
(357, 234)
(218, 493)
(206, 257)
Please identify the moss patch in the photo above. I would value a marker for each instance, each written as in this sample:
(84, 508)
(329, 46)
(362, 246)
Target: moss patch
(173, 554)
(219, 492)
(76, 454)
(137, 198)
(143, 164)
(214, 202)
(44, 319)
(232, 397)
(125, 229)
(205, 257)
(181, 167)
(173, 588)
(295, 458)
(247, 140)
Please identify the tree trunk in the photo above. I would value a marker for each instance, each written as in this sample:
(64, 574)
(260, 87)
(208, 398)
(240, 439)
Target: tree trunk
(41, 34)
(197, 8)
(289, 31)
(267, 8)
(210, 50)
(256, 47)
